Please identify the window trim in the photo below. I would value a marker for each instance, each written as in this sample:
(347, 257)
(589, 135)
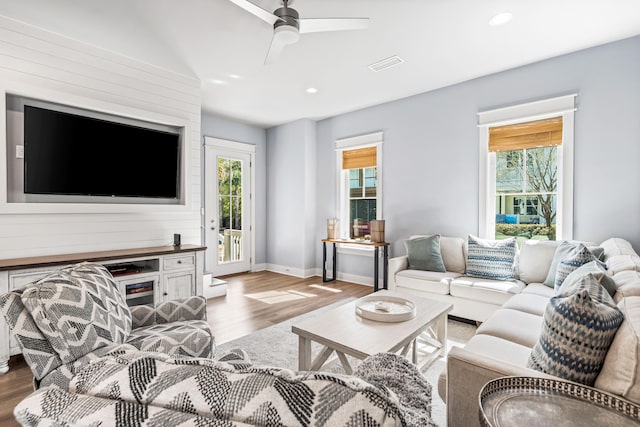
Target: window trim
(342, 183)
(560, 106)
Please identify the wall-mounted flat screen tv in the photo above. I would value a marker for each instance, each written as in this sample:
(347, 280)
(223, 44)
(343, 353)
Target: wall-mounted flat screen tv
(70, 154)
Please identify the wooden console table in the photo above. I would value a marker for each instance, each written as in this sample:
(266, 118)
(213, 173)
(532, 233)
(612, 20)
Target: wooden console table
(375, 245)
(169, 272)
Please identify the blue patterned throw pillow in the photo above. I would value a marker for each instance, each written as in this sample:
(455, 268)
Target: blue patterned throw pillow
(578, 328)
(491, 259)
(578, 257)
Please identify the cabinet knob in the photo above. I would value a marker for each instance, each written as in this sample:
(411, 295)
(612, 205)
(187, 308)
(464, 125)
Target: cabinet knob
(179, 262)
(165, 294)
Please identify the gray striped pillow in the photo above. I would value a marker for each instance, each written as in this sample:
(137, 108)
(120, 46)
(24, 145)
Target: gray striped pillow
(491, 259)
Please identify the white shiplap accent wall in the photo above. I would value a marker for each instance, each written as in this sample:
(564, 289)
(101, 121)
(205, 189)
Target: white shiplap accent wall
(40, 64)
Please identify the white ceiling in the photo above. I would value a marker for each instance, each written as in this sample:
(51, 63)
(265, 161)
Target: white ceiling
(442, 42)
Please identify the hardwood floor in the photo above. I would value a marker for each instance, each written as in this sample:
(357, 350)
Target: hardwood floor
(253, 301)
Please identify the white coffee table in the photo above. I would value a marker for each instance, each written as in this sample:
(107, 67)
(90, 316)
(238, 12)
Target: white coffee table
(342, 331)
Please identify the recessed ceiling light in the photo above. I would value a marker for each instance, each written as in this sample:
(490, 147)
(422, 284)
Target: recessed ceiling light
(500, 19)
(312, 90)
(234, 76)
(218, 81)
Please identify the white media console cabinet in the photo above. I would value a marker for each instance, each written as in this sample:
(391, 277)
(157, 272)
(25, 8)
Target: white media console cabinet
(145, 276)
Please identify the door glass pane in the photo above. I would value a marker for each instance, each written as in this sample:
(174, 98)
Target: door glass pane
(236, 177)
(230, 210)
(224, 175)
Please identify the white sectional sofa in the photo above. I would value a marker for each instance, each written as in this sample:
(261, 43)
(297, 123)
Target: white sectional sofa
(472, 298)
(512, 317)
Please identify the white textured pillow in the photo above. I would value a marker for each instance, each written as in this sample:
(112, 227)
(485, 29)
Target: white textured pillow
(535, 259)
(621, 369)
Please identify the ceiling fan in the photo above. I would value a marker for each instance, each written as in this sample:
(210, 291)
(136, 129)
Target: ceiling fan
(287, 25)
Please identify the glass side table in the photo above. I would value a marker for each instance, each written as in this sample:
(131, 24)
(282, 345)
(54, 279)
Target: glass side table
(533, 402)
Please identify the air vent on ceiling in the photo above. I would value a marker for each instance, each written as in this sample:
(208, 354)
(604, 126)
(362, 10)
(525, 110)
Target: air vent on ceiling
(383, 64)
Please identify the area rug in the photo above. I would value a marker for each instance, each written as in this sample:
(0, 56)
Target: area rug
(278, 346)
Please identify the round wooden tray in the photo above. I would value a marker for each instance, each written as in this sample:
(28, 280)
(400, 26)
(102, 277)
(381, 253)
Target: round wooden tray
(382, 308)
(541, 402)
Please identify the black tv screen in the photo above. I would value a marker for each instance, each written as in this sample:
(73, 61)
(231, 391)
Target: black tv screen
(70, 154)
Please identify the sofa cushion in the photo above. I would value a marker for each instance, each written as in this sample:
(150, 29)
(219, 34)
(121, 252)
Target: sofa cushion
(535, 259)
(452, 251)
(36, 349)
(78, 309)
(618, 263)
(423, 253)
(562, 251)
(491, 259)
(62, 376)
(616, 246)
(538, 289)
(621, 369)
(429, 281)
(499, 349)
(501, 324)
(528, 303)
(184, 338)
(575, 259)
(579, 325)
(486, 290)
(627, 284)
(597, 269)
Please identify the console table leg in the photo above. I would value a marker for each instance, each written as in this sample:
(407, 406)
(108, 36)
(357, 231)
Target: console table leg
(385, 267)
(335, 262)
(324, 261)
(375, 269)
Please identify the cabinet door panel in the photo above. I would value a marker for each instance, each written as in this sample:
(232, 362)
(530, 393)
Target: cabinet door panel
(179, 285)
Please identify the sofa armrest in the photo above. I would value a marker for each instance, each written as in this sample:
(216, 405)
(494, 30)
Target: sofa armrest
(467, 373)
(190, 308)
(396, 264)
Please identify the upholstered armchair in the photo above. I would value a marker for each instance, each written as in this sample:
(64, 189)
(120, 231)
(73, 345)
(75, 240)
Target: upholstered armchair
(77, 314)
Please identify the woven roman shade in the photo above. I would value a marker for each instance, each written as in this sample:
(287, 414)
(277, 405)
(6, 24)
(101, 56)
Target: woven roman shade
(359, 158)
(519, 136)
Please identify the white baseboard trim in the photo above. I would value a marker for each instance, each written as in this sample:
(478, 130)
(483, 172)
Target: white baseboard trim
(291, 271)
(351, 278)
(259, 267)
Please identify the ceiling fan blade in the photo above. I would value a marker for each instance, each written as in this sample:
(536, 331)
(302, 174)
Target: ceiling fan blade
(256, 10)
(276, 48)
(332, 24)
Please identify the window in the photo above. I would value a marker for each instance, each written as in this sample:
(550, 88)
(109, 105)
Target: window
(359, 192)
(526, 165)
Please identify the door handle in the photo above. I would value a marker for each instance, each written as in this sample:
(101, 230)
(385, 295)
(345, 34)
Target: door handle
(213, 228)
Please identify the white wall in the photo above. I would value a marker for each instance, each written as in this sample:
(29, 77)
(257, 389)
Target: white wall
(219, 127)
(430, 157)
(37, 63)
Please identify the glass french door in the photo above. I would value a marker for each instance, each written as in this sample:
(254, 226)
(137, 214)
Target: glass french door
(227, 206)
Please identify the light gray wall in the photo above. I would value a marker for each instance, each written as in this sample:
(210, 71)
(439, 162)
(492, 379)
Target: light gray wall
(291, 202)
(223, 128)
(430, 151)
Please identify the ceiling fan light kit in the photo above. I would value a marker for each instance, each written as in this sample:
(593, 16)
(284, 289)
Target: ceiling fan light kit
(287, 25)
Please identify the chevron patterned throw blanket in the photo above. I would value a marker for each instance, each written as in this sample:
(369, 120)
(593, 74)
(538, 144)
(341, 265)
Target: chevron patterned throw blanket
(146, 389)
